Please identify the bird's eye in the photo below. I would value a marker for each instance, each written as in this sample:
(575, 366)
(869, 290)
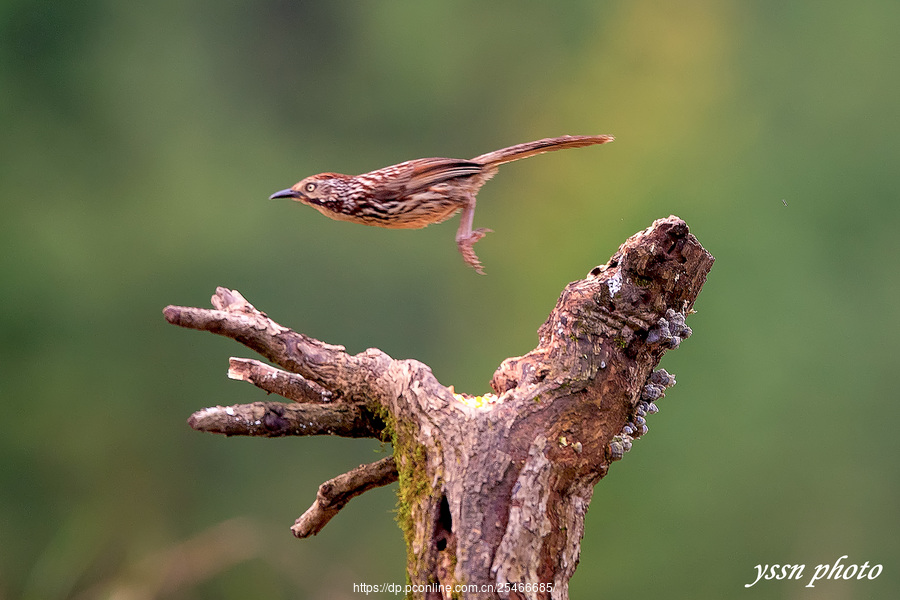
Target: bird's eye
(310, 187)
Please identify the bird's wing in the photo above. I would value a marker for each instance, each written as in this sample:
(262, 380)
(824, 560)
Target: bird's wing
(417, 175)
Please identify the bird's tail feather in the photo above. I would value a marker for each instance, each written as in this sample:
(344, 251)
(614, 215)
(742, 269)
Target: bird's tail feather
(520, 151)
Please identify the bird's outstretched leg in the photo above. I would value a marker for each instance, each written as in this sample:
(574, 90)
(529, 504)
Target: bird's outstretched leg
(466, 237)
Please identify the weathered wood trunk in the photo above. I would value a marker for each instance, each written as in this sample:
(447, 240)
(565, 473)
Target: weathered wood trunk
(493, 489)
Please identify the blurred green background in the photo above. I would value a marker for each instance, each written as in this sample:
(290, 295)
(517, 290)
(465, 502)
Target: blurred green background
(140, 142)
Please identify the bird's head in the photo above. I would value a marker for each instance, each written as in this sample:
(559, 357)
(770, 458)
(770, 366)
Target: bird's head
(316, 191)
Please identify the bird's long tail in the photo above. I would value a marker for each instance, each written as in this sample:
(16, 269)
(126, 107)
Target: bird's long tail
(519, 151)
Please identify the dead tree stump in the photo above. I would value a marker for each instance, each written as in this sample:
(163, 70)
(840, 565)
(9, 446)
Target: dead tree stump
(493, 489)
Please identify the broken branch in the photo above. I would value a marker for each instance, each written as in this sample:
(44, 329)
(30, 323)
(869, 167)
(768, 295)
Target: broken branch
(277, 419)
(335, 493)
(275, 381)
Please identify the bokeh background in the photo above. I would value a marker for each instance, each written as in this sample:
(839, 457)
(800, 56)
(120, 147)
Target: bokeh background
(140, 142)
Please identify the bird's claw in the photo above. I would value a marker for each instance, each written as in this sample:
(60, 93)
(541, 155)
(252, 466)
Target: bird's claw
(468, 253)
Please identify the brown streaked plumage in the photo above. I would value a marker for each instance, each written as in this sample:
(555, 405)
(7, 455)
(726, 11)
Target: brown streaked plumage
(416, 193)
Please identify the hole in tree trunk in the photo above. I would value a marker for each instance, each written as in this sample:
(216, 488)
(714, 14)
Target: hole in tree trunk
(444, 525)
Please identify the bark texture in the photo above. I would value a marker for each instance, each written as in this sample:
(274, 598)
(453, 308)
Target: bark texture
(493, 489)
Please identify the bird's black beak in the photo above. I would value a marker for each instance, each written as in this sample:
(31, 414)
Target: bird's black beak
(288, 193)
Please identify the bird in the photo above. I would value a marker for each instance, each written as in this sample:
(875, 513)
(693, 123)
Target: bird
(420, 192)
